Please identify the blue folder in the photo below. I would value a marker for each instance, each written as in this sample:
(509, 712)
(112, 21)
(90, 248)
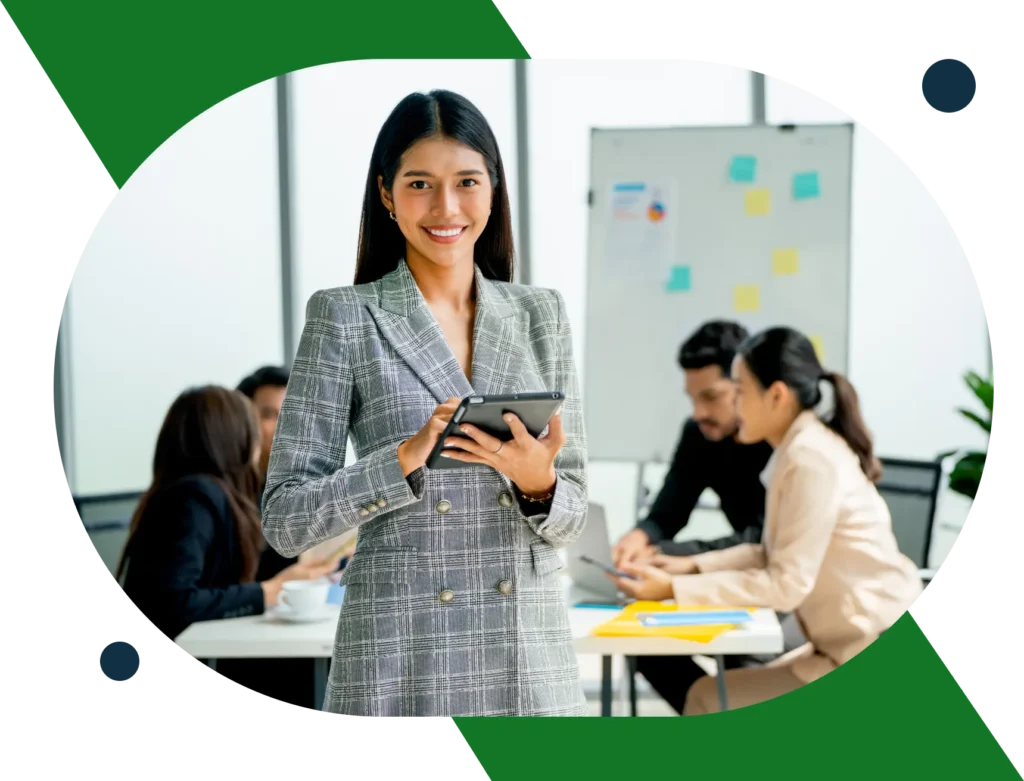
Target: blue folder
(695, 618)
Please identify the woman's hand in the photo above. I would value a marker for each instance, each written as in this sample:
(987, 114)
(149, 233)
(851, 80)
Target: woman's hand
(527, 462)
(414, 452)
(673, 565)
(271, 591)
(650, 583)
(303, 570)
(634, 546)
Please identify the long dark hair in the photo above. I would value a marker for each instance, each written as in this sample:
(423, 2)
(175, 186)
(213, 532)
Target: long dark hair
(210, 431)
(441, 114)
(787, 356)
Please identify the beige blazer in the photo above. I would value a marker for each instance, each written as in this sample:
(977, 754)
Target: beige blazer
(828, 553)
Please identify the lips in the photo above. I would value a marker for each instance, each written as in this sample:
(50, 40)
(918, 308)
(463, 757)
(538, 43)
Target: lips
(445, 234)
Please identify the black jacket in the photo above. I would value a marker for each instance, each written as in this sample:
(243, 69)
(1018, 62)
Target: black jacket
(185, 562)
(730, 469)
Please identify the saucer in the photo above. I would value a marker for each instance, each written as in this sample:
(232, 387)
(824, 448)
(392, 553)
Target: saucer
(285, 613)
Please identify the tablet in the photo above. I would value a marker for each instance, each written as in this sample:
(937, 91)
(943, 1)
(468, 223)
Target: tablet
(535, 410)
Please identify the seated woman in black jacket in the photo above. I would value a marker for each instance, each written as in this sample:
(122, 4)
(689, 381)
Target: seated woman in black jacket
(195, 541)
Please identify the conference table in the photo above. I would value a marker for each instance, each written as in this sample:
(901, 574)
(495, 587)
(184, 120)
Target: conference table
(268, 637)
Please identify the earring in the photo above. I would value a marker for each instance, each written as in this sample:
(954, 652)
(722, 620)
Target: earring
(393, 217)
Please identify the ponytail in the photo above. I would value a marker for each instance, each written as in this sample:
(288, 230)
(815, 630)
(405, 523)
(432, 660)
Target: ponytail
(847, 421)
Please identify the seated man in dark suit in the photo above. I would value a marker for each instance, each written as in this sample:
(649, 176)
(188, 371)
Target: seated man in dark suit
(707, 456)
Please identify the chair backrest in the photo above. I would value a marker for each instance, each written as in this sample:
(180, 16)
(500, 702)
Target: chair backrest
(911, 489)
(104, 520)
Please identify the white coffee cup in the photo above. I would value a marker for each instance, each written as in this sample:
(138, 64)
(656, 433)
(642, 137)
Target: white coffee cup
(304, 596)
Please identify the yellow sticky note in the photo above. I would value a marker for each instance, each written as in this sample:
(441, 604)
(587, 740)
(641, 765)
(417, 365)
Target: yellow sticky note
(785, 261)
(758, 202)
(747, 298)
(819, 349)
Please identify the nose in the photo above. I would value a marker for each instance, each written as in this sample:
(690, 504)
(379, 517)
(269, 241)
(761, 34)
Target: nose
(446, 202)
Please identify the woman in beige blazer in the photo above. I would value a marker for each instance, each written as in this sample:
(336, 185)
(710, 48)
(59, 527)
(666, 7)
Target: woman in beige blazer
(827, 554)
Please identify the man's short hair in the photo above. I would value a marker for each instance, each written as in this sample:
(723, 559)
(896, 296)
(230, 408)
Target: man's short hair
(713, 344)
(274, 376)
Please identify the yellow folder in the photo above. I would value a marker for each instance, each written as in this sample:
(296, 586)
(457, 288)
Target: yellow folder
(626, 623)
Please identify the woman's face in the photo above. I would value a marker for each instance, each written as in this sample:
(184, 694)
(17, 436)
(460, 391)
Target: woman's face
(441, 198)
(753, 404)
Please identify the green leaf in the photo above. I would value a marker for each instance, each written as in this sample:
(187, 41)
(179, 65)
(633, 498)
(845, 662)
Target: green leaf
(985, 424)
(982, 388)
(968, 488)
(974, 459)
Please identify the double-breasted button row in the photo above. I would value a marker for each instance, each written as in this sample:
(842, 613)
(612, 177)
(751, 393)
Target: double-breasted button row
(372, 507)
(444, 506)
(504, 587)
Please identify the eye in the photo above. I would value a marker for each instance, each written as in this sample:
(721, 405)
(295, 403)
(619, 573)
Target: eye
(419, 184)
(468, 183)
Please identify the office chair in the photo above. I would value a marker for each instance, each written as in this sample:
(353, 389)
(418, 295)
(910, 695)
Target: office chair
(106, 518)
(911, 490)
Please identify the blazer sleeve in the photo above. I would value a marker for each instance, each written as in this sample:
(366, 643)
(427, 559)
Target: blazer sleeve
(561, 521)
(311, 495)
(165, 576)
(748, 575)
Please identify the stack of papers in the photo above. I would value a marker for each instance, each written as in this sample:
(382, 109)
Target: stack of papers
(699, 624)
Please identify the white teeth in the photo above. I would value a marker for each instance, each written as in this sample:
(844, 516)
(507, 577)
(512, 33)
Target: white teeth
(453, 232)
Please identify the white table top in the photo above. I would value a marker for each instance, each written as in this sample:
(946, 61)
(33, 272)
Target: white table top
(268, 637)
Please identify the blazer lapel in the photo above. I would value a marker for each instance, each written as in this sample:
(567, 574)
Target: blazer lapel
(408, 325)
(498, 351)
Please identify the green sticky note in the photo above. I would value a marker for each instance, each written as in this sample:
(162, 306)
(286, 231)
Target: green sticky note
(743, 168)
(805, 185)
(679, 280)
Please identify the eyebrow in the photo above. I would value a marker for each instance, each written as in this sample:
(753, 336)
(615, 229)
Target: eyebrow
(427, 174)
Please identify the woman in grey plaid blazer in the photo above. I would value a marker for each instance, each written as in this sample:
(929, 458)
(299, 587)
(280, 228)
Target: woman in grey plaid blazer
(453, 604)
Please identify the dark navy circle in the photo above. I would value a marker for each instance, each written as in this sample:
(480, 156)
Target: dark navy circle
(119, 661)
(948, 86)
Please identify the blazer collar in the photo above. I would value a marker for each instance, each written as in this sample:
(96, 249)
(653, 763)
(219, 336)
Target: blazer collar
(407, 323)
(803, 421)
(400, 295)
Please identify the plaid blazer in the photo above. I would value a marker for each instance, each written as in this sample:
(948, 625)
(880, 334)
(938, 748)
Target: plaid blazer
(453, 604)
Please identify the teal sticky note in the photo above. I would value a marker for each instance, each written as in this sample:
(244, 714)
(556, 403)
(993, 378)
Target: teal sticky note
(805, 185)
(743, 168)
(679, 280)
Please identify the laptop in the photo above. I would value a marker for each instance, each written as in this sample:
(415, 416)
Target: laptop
(590, 584)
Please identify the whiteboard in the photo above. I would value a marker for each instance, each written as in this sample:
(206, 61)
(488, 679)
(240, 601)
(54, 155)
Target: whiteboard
(686, 225)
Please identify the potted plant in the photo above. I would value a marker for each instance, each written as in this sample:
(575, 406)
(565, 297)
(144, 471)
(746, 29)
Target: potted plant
(966, 474)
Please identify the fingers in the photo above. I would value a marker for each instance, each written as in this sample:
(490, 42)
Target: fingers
(556, 431)
(656, 574)
(632, 568)
(626, 586)
(467, 446)
(461, 455)
(519, 432)
(481, 438)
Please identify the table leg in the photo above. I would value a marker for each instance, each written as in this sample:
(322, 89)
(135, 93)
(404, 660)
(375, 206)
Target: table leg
(631, 672)
(319, 682)
(212, 664)
(720, 661)
(606, 686)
